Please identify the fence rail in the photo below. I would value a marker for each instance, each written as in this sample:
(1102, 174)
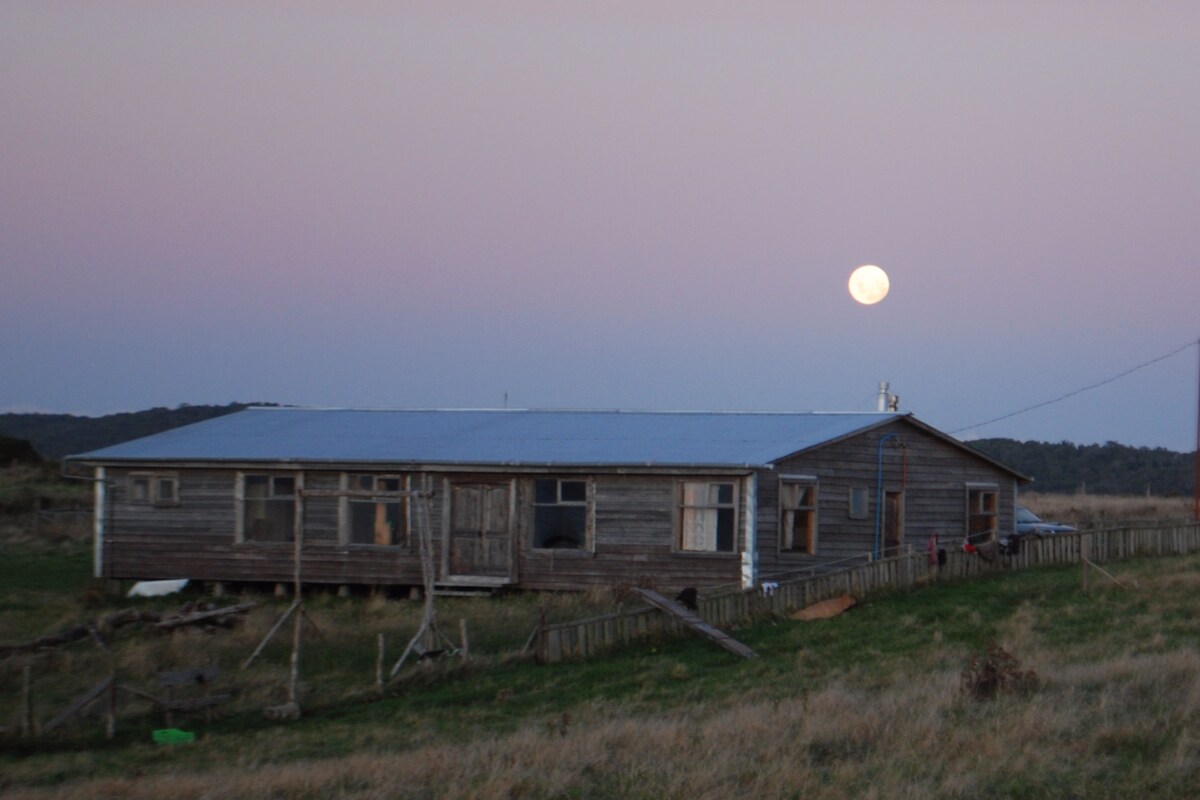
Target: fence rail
(588, 637)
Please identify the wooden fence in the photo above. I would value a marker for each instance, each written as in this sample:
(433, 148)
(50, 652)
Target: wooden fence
(587, 637)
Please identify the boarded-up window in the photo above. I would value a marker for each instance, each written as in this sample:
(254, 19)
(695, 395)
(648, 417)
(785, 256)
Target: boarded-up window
(858, 503)
(560, 514)
(378, 519)
(798, 506)
(982, 512)
(268, 508)
(708, 517)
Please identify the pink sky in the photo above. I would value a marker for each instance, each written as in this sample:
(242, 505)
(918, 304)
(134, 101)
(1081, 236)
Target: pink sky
(600, 205)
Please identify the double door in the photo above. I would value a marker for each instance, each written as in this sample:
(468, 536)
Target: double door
(480, 529)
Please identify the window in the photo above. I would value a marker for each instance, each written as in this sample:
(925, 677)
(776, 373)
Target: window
(858, 502)
(982, 507)
(560, 514)
(268, 508)
(379, 519)
(798, 507)
(160, 489)
(139, 488)
(708, 517)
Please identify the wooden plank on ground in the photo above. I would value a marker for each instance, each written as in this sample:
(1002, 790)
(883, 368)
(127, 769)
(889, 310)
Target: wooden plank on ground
(180, 620)
(687, 617)
(79, 704)
(826, 609)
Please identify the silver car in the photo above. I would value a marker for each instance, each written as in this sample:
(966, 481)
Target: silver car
(1030, 523)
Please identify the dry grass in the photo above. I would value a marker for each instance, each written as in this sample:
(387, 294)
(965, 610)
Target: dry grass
(1089, 511)
(1100, 729)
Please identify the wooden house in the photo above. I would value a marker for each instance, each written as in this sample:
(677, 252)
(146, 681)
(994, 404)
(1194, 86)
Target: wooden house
(535, 499)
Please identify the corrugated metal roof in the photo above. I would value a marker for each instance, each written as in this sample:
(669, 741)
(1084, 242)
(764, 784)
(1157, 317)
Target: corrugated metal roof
(495, 437)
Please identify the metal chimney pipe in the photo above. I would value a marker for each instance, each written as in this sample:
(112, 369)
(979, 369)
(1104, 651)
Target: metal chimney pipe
(882, 405)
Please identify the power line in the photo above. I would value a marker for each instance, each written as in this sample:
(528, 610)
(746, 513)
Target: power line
(1117, 377)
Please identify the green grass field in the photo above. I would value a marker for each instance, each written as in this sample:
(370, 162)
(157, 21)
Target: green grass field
(867, 704)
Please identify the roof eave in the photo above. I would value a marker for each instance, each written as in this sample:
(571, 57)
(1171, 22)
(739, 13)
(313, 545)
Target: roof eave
(226, 462)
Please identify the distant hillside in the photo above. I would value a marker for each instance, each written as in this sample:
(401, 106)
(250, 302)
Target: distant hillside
(1109, 468)
(58, 435)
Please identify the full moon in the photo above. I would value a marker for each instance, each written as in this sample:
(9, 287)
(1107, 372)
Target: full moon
(869, 284)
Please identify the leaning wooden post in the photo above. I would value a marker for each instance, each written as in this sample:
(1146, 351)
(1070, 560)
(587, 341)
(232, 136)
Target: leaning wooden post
(466, 646)
(271, 633)
(428, 622)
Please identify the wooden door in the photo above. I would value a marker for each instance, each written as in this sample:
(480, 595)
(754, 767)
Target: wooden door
(481, 529)
(893, 523)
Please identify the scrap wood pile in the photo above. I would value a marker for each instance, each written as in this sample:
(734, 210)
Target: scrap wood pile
(200, 615)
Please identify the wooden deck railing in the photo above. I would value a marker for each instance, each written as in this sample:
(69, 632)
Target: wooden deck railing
(587, 637)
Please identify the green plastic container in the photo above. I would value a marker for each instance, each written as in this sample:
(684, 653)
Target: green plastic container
(172, 736)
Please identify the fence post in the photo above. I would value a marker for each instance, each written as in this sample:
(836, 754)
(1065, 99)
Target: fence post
(1083, 557)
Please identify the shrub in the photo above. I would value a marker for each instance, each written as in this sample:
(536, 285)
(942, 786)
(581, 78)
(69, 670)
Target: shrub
(996, 671)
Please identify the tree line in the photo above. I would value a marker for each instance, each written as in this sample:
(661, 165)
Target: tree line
(55, 436)
(1108, 468)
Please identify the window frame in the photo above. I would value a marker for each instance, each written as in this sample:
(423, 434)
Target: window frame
(154, 481)
(813, 507)
(981, 490)
(345, 508)
(681, 515)
(588, 545)
(297, 479)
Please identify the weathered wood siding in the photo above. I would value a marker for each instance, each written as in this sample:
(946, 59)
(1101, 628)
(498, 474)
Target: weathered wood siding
(196, 538)
(932, 474)
(635, 540)
(633, 534)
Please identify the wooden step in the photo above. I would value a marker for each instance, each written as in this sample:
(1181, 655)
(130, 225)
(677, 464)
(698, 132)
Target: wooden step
(469, 585)
(486, 581)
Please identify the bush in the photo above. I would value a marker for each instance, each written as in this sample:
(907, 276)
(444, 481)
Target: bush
(17, 451)
(994, 672)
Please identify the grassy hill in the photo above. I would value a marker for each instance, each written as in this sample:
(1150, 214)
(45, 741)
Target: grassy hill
(867, 704)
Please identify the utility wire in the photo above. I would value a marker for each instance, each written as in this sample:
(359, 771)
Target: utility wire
(1129, 371)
